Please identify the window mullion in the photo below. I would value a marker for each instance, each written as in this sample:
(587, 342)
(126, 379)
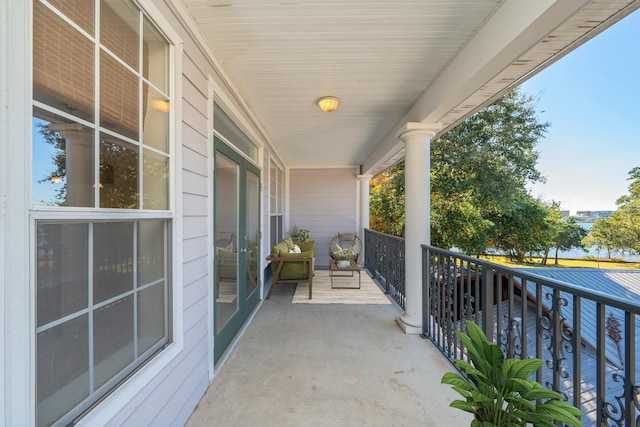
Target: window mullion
(141, 141)
(135, 288)
(96, 115)
(91, 308)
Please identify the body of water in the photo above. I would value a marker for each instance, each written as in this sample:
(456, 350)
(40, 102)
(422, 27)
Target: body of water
(579, 253)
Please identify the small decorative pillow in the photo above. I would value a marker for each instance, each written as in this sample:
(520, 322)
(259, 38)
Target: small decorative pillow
(340, 252)
(295, 250)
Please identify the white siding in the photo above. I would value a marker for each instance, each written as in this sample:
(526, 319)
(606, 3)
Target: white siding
(170, 398)
(323, 201)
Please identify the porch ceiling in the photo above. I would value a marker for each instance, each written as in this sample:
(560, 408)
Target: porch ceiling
(388, 62)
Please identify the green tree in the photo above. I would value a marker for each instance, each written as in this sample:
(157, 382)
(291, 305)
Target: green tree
(526, 226)
(386, 201)
(602, 235)
(569, 236)
(621, 230)
(479, 174)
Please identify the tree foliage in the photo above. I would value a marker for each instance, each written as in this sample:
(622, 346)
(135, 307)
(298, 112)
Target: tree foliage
(570, 235)
(479, 175)
(119, 173)
(386, 201)
(621, 230)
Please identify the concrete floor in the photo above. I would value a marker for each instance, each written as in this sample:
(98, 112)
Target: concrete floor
(329, 365)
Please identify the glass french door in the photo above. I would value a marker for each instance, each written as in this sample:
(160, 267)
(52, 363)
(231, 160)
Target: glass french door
(237, 238)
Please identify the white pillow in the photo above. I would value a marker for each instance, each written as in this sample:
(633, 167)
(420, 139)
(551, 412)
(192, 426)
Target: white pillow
(295, 250)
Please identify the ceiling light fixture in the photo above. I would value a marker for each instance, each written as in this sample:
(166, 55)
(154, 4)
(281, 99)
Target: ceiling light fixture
(328, 103)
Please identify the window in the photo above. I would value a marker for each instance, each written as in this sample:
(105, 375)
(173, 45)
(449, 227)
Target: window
(276, 195)
(229, 131)
(100, 184)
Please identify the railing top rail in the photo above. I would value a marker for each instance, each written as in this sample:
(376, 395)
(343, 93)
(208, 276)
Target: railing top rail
(581, 291)
(368, 230)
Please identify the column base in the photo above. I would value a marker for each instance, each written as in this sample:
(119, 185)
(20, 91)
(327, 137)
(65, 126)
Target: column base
(408, 324)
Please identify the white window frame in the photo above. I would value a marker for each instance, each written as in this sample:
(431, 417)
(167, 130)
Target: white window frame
(280, 192)
(4, 137)
(115, 402)
(18, 329)
(18, 219)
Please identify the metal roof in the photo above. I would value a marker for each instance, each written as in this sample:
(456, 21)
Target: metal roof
(624, 284)
(620, 283)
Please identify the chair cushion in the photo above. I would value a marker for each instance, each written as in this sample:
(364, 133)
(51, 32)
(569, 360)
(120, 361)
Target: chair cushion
(309, 245)
(293, 269)
(280, 248)
(289, 243)
(227, 263)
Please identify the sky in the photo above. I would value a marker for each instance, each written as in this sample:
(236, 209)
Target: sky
(591, 98)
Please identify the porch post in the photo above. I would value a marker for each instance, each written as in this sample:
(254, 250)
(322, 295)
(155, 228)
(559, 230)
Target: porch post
(364, 181)
(417, 138)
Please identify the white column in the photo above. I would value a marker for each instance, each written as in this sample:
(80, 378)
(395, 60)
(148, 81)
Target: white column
(417, 138)
(364, 181)
(79, 160)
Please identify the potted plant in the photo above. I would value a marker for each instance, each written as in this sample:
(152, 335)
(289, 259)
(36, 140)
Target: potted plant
(499, 392)
(304, 235)
(295, 233)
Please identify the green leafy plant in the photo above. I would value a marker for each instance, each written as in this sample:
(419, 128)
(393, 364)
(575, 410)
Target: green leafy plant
(300, 234)
(304, 234)
(295, 232)
(497, 390)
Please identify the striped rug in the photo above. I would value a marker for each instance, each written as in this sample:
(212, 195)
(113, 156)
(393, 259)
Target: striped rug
(369, 292)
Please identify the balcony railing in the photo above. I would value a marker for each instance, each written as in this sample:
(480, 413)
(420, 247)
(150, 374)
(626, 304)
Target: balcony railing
(384, 258)
(586, 338)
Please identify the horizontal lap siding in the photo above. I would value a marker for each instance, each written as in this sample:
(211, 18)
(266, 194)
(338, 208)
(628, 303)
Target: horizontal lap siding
(323, 201)
(173, 394)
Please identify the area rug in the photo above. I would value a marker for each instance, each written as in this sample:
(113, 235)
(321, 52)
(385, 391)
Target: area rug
(369, 292)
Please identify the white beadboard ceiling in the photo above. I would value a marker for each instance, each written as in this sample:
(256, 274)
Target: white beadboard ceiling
(389, 62)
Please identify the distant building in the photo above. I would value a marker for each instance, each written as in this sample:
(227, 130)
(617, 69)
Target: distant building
(592, 215)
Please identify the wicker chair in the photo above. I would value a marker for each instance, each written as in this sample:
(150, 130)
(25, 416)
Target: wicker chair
(345, 246)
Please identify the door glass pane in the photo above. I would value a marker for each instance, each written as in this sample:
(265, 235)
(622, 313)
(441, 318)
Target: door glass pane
(253, 231)
(226, 223)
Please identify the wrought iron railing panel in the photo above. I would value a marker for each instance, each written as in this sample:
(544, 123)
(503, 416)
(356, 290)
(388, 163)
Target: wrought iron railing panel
(586, 338)
(384, 258)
